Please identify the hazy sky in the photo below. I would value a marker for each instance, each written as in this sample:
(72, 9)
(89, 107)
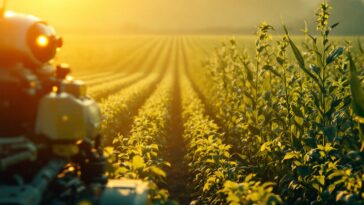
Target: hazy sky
(118, 15)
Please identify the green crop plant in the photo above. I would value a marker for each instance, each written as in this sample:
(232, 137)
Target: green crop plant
(241, 88)
(289, 119)
(138, 155)
(217, 178)
(117, 109)
(319, 74)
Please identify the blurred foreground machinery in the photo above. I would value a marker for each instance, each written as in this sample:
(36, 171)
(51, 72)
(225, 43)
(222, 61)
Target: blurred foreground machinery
(50, 150)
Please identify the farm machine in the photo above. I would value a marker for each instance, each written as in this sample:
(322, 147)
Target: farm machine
(50, 145)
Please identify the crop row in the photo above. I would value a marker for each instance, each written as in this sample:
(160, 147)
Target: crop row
(216, 176)
(102, 72)
(102, 52)
(130, 64)
(139, 153)
(103, 90)
(117, 109)
(107, 70)
(100, 91)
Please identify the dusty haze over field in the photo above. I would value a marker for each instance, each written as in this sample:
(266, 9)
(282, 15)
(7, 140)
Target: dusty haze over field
(185, 16)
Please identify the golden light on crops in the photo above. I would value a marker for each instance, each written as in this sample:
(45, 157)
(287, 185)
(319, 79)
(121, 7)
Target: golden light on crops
(171, 106)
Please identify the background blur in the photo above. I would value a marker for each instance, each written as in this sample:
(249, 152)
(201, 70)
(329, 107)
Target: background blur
(185, 16)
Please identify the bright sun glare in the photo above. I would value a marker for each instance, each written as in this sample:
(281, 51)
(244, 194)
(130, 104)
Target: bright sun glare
(42, 41)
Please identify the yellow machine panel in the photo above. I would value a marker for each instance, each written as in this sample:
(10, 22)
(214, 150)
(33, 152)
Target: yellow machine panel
(64, 117)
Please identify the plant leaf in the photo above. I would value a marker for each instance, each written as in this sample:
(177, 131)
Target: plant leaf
(335, 25)
(361, 49)
(271, 69)
(138, 162)
(301, 61)
(158, 172)
(291, 155)
(356, 90)
(334, 55)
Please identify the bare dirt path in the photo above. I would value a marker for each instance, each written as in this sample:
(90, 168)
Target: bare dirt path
(177, 175)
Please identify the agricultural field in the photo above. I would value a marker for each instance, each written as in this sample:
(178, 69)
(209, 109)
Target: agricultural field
(230, 119)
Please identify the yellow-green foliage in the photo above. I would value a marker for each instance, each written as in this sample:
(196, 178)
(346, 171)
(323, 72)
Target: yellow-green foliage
(289, 118)
(117, 109)
(280, 128)
(216, 175)
(139, 154)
